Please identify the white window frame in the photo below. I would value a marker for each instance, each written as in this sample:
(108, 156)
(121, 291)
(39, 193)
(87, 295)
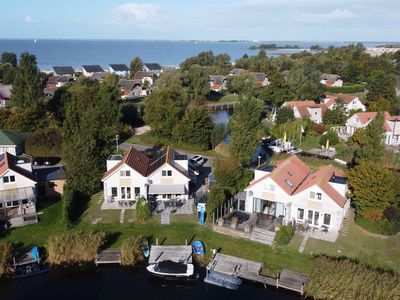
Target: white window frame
(330, 220)
(124, 173)
(297, 214)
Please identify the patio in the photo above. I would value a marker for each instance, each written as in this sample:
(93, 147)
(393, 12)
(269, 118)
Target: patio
(125, 204)
(175, 206)
(322, 233)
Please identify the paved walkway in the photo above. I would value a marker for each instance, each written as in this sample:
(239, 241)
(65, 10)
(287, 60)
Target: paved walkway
(303, 244)
(142, 130)
(121, 216)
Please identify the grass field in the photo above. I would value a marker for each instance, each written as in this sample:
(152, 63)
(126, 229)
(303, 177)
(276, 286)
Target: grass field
(226, 97)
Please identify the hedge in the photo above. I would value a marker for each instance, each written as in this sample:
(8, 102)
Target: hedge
(354, 88)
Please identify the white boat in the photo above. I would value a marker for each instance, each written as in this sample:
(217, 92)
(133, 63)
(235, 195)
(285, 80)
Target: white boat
(275, 149)
(171, 270)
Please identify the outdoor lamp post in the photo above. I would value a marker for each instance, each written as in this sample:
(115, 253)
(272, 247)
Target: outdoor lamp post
(259, 160)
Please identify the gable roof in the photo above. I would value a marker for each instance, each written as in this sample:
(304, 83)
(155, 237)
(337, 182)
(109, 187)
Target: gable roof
(119, 67)
(217, 79)
(126, 84)
(92, 68)
(139, 162)
(288, 174)
(153, 66)
(11, 137)
(260, 77)
(56, 79)
(345, 97)
(9, 162)
(303, 106)
(321, 178)
(236, 71)
(64, 70)
(5, 91)
(142, 74)
(330, 77)
(294, 177)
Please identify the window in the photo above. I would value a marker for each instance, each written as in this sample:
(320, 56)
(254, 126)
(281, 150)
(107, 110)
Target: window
(114, 192)
(289, 183)
(9, 204)
(12, 178)
(327, 219)
(128, 193)
(137, 192)
(272, 188)
(123, 193)
(242, 205)
(310, 217)
(312, 195)
(1, 205)
(15, 203)
(300, 214)
(6, 179)
(165, 173)
(319, 196)
(126, 173)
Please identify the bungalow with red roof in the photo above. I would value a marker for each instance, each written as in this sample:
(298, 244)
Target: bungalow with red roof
(261, 78)
(135, 175)
(306, 109)
(293, 193)
(217, 83)
(362, 119)
(350, 102)
(331, 80)
(17, 191)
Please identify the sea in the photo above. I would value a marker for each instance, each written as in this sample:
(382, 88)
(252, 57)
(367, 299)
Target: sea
(75, 53)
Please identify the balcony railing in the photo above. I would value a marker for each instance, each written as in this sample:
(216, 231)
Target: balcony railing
(26, 193)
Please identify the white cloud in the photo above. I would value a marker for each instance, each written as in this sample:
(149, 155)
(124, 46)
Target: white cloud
(135, 13)
(29, 19)
(335, 15)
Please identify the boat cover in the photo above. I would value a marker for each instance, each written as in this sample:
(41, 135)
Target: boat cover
(170, 267)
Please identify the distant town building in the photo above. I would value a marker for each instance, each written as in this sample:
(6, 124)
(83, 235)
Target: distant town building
(306, 109)
(261, 78)
(350, 102)
(5, 95)
(12, 141)
(119, 69)
(155, 68)
(64, 71)
(236, 71)
(378, 51)
(90, 70)
(217, 83)
(331, 80)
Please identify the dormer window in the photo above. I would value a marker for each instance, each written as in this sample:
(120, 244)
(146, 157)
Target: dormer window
(166, 173)
(126, 173)
(315, 196)
(289, 183)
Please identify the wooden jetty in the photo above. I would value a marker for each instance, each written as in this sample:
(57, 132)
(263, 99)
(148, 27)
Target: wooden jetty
(250, 270)
(222, 106)
(180, 254)
(319, 153)
(108, 256)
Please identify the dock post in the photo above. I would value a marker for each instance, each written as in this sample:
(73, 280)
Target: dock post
(186, 242)
(213, 219)
(277, 282)
(157, 241)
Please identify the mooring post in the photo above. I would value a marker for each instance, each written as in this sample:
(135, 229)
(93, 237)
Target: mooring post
(186, 242)
(157, 241)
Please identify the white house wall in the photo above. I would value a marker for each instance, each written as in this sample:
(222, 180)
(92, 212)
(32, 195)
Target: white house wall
(20, 181)
(176, 178)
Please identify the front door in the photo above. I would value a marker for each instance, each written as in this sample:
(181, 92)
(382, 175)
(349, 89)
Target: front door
(313, 218)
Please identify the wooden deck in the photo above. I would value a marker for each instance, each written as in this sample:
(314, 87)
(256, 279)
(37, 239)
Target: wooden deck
(250, 270)
(108, 256)
(182, 254)
(25, 259)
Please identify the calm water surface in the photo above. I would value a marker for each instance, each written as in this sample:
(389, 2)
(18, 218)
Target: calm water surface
(118, 284)
(168, 53)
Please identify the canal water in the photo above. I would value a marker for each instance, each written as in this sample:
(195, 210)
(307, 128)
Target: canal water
(115, 283)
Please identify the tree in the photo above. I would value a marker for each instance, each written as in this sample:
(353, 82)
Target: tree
(218, 134)
(7, 73)
(89, 130)
(381, 84)
(143, 211)
(337, 115)
(277, 92)
(136, 65)
(331, 136)
(374, 188)
(243, 127)
(196, 80)
(44, 142)
(215, 198)
(243, 84)
(372, 147)
(194, 128)
(380, 104)
(164, 108)
(231, 176)
(357, 139)
(9, 58)
(285, 114)
(27, 88)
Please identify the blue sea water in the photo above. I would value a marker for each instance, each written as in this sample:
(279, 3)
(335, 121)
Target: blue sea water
(167, 53)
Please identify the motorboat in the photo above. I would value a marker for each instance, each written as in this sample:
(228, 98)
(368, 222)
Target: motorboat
(171, 270)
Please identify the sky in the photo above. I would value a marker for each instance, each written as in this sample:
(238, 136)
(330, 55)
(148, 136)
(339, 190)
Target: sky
(265, 20)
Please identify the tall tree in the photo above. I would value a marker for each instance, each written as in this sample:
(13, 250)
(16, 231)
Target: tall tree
(196, 80)
(277, 92)
(381, 84)
(374, 188)
(335, 116)
(372, 147)
(136, 65)
(7, 73)
(88, 133)
(194, 128)
(164, 108)
(9, 58)
(243, 127)
(285, 114)
(27, 87)
(244, 84)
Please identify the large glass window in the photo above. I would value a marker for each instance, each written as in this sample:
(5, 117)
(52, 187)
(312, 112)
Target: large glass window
(310, 217)
(242, 205)
(300, 214)
(123, 193)
(316, 218)
(128, 193)
(137, 192)
(327, 219)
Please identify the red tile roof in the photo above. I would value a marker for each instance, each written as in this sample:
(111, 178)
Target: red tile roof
(294, 176)
(345, 97)
(9, 162)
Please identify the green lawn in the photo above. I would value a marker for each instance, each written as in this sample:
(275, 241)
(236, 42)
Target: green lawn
(375, 251)
(226, 97)
(148, 140)
(309, 142)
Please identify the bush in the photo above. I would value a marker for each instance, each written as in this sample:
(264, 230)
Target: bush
(284, 235)
(332, 136)
(285, 114)
(5, 259)
(215, 198)
(143, 211)
(354, 88)
(385, 226)
(67, 207)
(131, 251)
(218, 134)
(44, 142)
(75, 247)
(340, 278)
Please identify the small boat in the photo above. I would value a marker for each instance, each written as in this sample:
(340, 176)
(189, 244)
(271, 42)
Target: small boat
(171, 270)
(222, 280)
(146, 248)
(30, 264)
(198, 248)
